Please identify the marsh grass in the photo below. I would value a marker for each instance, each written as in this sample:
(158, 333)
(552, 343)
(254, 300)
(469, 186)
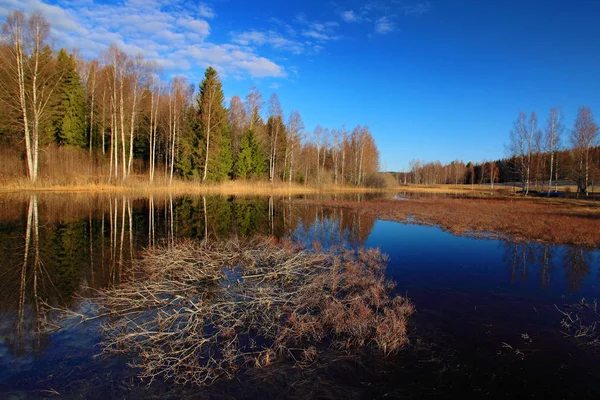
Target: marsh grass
(205, 310)
(139, 185)
(556, 221)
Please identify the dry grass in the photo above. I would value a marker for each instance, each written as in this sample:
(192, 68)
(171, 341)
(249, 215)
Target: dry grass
(472, 190)
(556, 221)
(208, 310)
(139, 185)
(64, 170)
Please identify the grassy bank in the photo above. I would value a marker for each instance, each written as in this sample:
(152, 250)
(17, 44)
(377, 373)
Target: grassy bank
(140, 186)
(556, 221)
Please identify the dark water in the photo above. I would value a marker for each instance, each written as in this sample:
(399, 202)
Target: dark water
(486, 317)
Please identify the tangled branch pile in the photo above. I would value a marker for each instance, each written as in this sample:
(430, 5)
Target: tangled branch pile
(209, 310)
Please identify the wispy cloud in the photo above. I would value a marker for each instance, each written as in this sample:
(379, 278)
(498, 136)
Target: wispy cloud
(350, 16)
(384, 25)
(205, 11)
(173, 33)
(268, 38)
(322, 31)
(416, 9)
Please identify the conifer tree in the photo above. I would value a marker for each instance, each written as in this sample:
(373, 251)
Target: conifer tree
(223, 163)
(243, 165)
(68, 122)
(214, 123)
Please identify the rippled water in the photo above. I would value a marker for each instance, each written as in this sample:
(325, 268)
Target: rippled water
(487, 315)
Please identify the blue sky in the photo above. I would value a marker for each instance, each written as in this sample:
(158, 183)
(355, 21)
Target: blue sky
(434, 80)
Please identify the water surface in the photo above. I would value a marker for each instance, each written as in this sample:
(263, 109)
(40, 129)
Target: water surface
(486, 317)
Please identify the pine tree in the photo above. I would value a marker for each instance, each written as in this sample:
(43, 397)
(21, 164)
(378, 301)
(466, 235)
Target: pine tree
(68, 122)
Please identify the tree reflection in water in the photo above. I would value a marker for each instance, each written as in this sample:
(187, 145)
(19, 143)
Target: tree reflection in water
(68, 242)
(91, 241)
(523, 258)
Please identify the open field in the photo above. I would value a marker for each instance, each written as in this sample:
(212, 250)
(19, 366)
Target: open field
(556, 221)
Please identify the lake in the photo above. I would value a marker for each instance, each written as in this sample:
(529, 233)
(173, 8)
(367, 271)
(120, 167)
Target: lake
(487, 320)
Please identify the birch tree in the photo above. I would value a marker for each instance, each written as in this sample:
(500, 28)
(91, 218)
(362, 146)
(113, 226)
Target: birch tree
(91, 90)
(136, 71)
(583, 137)
(295, 127)
(554, 130)
(32, 77)
(275, 115)
(237, 122)
(254, 104)
(520, 147)
(318, 133)
(155, 90)
(179, 100)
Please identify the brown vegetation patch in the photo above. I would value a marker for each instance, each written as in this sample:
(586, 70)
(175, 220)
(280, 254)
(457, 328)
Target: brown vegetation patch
(556, 221)
(207, 310)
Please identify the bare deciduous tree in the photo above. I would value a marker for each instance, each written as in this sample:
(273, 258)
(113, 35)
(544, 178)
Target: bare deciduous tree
(237, 122)
(583, 137)
(275, 113)
(32, 79)
(521, 147)
(554, 129)
(295, 127)
(254, 104)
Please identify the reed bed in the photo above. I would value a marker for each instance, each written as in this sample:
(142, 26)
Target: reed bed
(208, 310)
(555, 221)
(139, 185)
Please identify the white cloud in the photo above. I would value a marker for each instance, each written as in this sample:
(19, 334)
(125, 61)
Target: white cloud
(250, 37)
(196, 25)
(173, 33)
(349, 16)
(205, 11)
(230, 60)
(383, 26)
(270, 38)
(322, 31)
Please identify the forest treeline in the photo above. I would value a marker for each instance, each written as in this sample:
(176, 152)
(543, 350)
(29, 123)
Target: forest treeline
(115, 117)
(536, 157)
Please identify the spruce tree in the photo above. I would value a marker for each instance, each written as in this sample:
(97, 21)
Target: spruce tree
(189, 162)
(259, 162)
(214, 124)
(223, 162)
(243, 165)
(68, 121)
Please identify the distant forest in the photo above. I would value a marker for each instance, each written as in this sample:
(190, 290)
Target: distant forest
(537, 157)
(114, 117)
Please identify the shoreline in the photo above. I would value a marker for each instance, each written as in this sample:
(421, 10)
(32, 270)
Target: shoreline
(518, 219)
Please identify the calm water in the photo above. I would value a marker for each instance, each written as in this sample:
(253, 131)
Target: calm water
(486, 319)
